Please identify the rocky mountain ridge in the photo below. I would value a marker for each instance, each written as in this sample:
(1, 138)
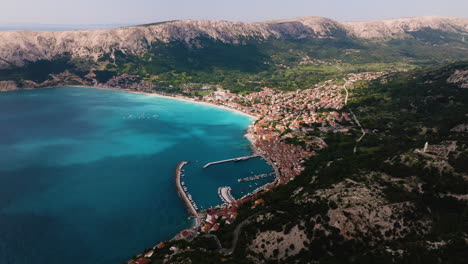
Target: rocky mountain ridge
(17, 47)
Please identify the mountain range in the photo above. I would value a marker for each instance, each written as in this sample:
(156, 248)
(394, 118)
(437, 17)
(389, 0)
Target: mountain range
(18, 47)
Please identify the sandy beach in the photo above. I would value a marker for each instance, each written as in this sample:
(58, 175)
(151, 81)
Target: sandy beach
(177, 97)
(248, 135)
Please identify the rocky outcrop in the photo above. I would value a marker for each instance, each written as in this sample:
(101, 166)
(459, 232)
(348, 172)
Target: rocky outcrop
(7, 86)
(285, 244)
(460, 78)
(17, 47)
(387, 222)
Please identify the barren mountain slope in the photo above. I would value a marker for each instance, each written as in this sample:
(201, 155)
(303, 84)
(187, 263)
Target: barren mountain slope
(391, 28)
(16, 47)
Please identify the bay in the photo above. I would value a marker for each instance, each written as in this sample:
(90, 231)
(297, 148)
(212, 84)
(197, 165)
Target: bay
(87, 175)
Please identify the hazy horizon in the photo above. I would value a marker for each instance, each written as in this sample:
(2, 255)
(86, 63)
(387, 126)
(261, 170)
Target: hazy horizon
(55, 14)
(63, 27)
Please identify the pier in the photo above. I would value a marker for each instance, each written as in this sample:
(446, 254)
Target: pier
(256, 177)
(225, 195)
(228, 160)
(181, 190)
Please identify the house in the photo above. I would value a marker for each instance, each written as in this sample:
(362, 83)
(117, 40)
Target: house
(141, 261)
(160, 245)
(215, 227)
(259, 201)
(149, 254)
(206, 227)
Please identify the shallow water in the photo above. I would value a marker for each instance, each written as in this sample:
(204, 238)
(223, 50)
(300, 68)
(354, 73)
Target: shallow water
(87, 175)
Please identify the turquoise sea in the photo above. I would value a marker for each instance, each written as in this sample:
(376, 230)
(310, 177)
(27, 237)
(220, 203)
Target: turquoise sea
(87, 175)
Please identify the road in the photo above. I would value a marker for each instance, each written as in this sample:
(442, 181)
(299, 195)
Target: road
(346, 90)
(362, 131)
(354, 116)
(235, 239)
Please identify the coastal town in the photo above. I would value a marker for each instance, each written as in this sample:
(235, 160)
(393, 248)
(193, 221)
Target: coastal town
(291, 115)
(282, 118)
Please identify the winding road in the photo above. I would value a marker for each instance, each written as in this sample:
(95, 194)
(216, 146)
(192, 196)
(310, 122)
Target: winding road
(354, 117)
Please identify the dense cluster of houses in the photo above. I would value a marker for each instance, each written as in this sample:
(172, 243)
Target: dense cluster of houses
(281, 114)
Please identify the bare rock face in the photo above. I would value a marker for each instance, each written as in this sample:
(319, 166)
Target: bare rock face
(459, 78)
(17, 47)
(306, 27)
(289, 244)
(7, 86)
(387, 222)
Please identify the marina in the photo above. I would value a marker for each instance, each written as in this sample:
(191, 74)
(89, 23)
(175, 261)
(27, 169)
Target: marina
(224, 174)
(256, 177)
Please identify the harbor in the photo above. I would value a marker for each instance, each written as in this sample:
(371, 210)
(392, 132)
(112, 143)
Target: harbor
(220, 189)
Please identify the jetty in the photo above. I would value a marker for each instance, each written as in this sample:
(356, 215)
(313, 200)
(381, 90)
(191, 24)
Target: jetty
(191, 207)
(225, 194)
(228, 160)
(256, 177)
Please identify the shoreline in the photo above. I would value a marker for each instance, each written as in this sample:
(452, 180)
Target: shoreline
(248, 135)
(177, 97)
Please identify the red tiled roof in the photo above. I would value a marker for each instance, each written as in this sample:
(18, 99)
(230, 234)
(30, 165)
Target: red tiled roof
(160, 245)
(141, 261)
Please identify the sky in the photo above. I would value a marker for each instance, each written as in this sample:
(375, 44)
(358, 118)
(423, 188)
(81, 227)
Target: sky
(127, 12)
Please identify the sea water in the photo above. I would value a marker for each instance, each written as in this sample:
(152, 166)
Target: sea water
(87, 175)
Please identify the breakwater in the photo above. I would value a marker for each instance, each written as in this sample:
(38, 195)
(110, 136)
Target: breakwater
(228, 160)
(191, 207)
(225, 194)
